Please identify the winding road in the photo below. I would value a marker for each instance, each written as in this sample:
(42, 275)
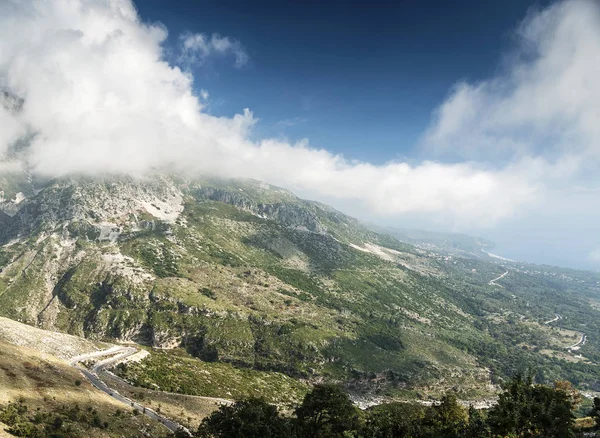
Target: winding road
(578, 344)
(493, 282)
(581, 342)
(556, 318)
(118, 354)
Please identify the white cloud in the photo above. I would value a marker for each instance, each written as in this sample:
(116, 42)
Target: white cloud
(102, 99)
(197, 47)
(9, 167)
(545, 101)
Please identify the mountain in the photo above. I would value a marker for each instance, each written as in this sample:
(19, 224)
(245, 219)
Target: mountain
(244, 273)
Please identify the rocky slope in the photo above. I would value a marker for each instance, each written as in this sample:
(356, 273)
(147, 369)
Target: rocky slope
(247, 273)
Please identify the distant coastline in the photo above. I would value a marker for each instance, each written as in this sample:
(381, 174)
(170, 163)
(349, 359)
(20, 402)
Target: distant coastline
(497, 256)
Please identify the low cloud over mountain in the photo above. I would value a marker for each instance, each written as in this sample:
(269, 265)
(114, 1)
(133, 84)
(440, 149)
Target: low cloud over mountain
(99, 96)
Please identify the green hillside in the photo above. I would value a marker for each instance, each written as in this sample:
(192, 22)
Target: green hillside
(244, 273)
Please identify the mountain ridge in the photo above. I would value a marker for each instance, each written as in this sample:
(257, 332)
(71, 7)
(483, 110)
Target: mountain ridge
(241, 272)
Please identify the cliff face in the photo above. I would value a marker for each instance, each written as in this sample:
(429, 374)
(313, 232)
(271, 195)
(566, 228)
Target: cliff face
(57, 204)
(291, 214)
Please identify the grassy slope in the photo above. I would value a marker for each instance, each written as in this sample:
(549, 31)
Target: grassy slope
(241, 284)
(177, 372)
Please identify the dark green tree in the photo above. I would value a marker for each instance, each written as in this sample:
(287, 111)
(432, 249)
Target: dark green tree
(478, 426)
(393, 420)
(248, 418)
(528, 410)
(447, 419)
(325, 412)
(552, 415)
(58, 422)
(595, 412)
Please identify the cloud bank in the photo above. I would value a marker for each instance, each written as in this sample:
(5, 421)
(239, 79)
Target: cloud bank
(545, 101)
(100, 97)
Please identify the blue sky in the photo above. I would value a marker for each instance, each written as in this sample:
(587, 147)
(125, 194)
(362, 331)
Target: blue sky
(358, 78)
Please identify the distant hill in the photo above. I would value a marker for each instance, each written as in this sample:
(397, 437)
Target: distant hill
(446, 242)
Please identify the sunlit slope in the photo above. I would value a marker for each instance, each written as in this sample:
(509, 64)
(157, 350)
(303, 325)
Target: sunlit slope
(37, 388)
(247, 273)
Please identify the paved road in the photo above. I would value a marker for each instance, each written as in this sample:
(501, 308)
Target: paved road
(493, 282)
(124, 353)
(577, 345)
(92, 375)
(556, 318)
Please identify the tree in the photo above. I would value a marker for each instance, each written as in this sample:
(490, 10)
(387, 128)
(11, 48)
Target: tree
(447, 419)
(325, 412)
(552, 415)
(575, 397)
(24, 429)
(512, 413)
(527, 410)
(247, 418)
(393, 420)
(595, 412)
(478, 426)
(58, 422)
(181, 433)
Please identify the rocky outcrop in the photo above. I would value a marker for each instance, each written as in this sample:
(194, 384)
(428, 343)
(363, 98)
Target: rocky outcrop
(296, 215)
(103, 204)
